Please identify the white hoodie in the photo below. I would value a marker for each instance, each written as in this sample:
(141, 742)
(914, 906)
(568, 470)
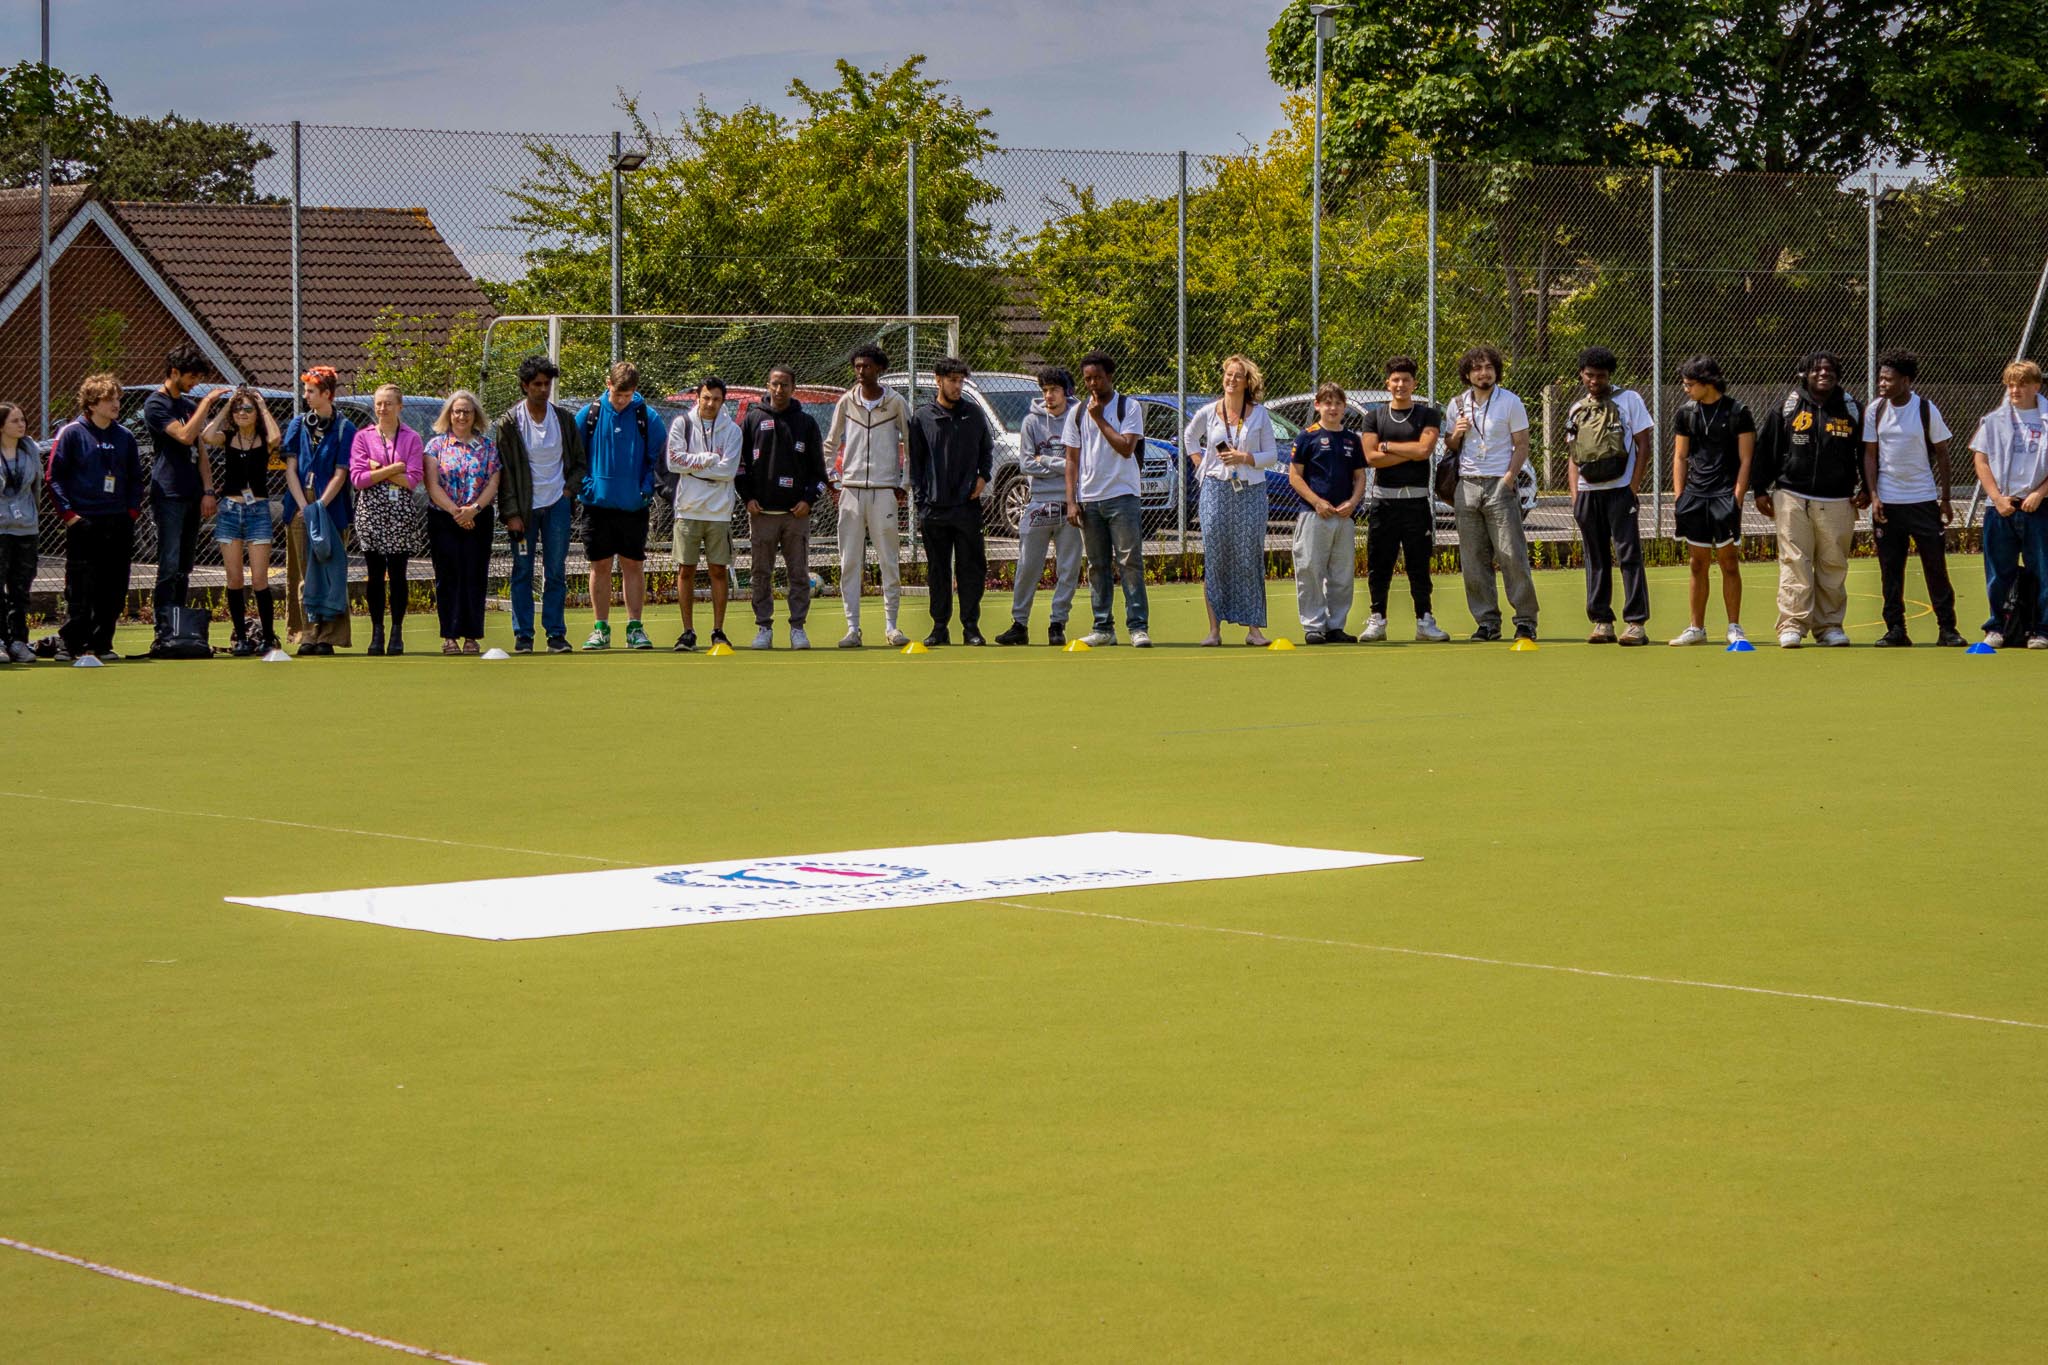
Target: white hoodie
(705, 463)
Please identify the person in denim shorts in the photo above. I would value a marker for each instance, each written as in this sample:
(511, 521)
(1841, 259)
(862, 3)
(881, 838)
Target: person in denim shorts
(245, 433)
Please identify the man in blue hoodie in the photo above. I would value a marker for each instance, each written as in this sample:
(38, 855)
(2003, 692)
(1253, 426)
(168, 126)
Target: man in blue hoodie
(627, 444)
(96, 484)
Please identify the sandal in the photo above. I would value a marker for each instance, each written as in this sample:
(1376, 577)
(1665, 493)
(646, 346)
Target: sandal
(1212, 642)
(470, 647)
(450, 647)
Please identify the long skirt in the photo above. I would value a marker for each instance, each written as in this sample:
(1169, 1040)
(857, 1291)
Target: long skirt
(1234, 550)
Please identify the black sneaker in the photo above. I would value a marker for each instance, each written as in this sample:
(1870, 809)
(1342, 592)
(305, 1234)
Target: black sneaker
(243, 647)
(686, 643)
(558, 644)
(523, 645)
(1015, 635)
(1895, 639)
(1338, 637)
(938, 637)
(61, 653)
(1315, 637)
(1485, 635)
(1523, 633)
(1950, 638)
(718, 638)
(971, 635)
(1056, 636)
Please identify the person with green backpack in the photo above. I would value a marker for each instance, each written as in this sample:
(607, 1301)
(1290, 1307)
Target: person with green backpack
(1607, 435)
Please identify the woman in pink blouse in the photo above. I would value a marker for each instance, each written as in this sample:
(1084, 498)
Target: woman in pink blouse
(387, 466)
(462, 479)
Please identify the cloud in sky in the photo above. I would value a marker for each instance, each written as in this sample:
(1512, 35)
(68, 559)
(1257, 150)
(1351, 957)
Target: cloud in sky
(1141, 74)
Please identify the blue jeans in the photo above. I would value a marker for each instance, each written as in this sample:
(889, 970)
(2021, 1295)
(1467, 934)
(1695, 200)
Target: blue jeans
(2008, 540)
(1114, 532)
(547, 527)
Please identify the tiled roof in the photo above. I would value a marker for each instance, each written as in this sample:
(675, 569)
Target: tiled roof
(232, 265)
(18, 226)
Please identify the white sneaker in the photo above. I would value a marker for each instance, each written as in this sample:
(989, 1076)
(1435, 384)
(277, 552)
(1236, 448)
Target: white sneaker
(1140, 640)
(1834, 637)
(850, 640)
(2037, 642)
(896, 638)
(797, 638)
(1428, 629)
(1376, 629)
(1790, 639)
(764, 638)
(1735, 633)
(1097, 639)
(1691, 635)
(1994, 639)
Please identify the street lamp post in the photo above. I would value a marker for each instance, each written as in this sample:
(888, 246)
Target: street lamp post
(1326, 29)
(624, 163)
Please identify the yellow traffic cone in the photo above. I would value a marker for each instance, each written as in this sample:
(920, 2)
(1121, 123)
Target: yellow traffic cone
(720, 650)
(1077, 647)
(1523, 646)
(915, 647)
(1280, 642)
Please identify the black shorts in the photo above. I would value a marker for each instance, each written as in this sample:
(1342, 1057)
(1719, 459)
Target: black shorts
(1710, 521)
(613, 533)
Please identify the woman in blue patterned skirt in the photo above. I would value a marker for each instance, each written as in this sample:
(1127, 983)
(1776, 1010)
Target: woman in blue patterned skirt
(1231, 442)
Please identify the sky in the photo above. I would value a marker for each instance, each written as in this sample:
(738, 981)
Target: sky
(1145, 75)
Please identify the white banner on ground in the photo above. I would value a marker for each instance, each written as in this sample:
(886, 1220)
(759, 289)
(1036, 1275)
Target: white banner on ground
(808, 884)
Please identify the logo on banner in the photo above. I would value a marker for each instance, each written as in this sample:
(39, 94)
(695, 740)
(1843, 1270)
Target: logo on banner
(795, 875)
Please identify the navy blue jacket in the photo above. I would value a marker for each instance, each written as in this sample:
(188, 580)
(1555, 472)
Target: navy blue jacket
(82, 461)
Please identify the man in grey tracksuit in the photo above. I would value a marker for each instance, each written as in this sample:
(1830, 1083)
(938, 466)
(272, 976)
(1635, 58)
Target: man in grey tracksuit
(1042, 455)
(864, 451)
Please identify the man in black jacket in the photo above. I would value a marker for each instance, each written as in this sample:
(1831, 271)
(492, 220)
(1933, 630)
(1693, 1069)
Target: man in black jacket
(541, 456)
(782, 472)
(1811, 450)
(951, 457)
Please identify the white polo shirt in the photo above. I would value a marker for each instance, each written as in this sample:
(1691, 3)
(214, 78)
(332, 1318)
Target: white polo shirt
(1904, 471)
(1104, 473)
(1490, 445)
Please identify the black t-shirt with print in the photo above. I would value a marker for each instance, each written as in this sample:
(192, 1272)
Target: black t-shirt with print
(1712, 459)
(1403, 426)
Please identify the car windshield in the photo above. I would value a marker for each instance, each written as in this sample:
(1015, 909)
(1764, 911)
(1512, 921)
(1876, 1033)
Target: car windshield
(1012, 405)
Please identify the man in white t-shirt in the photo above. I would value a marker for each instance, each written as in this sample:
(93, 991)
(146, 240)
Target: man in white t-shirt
(1105, 440)
(704, 454)
(1490, 437)
(2011, 453)
(1905, 441)
(542, 464)
(1607, 432)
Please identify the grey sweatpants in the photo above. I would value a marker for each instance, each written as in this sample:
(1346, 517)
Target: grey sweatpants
(1065, 541)
(1489, 537)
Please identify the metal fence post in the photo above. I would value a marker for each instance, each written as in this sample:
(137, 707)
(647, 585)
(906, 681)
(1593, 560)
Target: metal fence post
(1657, 351)
(618, 263)
(1429, 355)
(910, 301)
(43, 241)
(298, 275)
(1870, 303)
(1180, 353)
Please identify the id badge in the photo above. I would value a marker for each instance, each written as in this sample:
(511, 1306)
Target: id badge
(248, 498)
(107, 484)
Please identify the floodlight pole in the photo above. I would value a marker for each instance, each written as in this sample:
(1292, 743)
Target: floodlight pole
(298, 290)
(618, 254)
(1180, 352)
(1326, 26)
(1657, 352)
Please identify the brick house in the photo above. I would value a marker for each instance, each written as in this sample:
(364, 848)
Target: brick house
(131, 280)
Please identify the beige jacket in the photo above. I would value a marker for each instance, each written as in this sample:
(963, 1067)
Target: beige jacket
(864, 449)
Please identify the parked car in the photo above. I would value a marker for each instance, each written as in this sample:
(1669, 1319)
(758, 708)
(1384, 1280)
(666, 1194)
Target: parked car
(1005, 400)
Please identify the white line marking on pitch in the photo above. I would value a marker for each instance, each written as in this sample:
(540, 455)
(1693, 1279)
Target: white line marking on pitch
(280, 1314)
(1530, 966)
(300, 824)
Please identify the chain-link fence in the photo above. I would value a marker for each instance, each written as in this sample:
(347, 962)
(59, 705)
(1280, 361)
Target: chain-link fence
(386, 252)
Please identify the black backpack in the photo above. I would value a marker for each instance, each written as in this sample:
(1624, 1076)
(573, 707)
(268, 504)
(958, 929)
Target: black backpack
(2016, 614)
(185, 635)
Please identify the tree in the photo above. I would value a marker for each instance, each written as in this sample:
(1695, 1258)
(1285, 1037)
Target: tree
(1971, 87)
(123, 156)
(1764, 85)
(755, 212)
(423, 353)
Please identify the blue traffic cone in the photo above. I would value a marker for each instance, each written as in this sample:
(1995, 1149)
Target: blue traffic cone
(1980, 648)
(1740, 647)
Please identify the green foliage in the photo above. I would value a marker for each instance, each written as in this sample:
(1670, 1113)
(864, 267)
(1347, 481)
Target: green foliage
(124, 156)
(1971, 86)
(754, 212)
(423, 353)
(104, 344)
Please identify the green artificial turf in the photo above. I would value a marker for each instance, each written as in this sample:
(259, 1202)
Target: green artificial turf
(996, 1130)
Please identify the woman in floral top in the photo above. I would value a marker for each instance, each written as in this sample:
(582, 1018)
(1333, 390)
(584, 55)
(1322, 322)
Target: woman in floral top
(462, 482)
